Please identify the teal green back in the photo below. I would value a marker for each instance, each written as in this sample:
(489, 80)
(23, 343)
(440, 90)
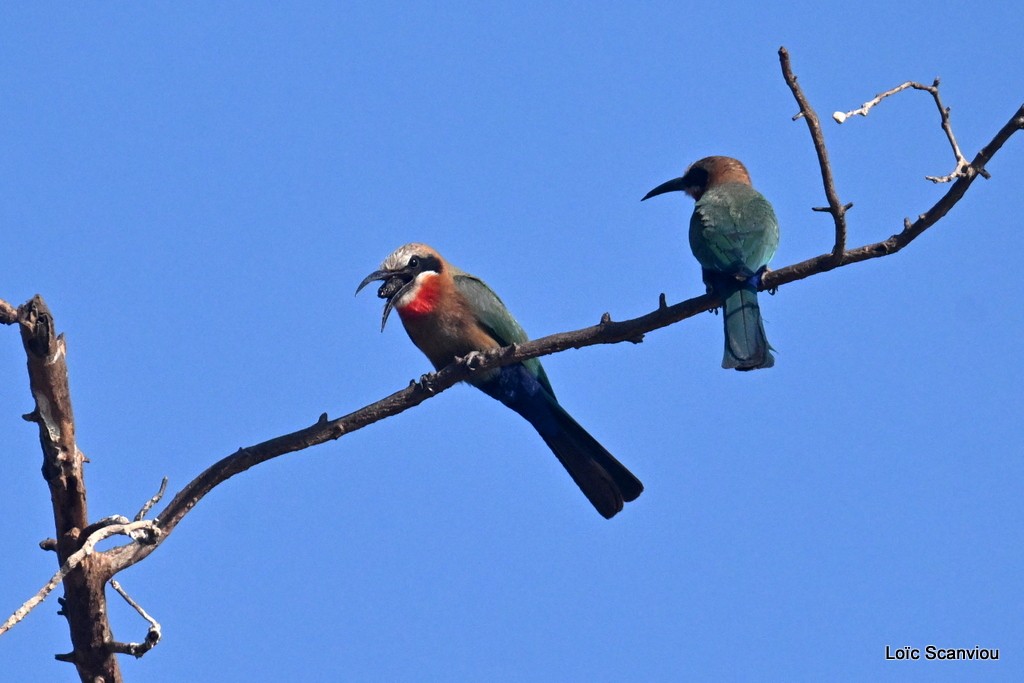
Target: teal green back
(733, 230)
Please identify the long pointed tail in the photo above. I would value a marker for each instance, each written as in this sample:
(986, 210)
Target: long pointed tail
(605, 481)
(746, 347)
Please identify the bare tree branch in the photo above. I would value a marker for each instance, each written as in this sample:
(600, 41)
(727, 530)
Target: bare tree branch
(152, 635)
(85, 571)
(430, 385)
(84, 603)
(605, 332)
(835, 207)
(963, 167)
(911, 230)
(122, 527)
(141, 514)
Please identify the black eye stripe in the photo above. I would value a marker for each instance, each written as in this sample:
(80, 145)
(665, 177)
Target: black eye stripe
(425, 263)
(696, 177)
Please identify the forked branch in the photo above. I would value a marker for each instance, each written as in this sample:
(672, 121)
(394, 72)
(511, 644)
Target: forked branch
(963, 167)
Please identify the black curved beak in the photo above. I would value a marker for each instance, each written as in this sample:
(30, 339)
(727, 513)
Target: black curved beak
(674, 185)
(375, 275)
(395, 283)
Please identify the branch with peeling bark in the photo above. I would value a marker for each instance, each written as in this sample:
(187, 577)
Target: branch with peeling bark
(142, 531)
(85, 571)
(84, 602)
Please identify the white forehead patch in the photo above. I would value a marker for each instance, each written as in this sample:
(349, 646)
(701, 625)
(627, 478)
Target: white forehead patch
(399, 258)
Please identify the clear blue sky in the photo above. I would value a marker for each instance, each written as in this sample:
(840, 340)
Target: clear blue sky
(197, 188)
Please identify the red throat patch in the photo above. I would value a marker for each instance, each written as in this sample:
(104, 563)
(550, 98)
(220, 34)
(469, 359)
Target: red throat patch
(425, 298)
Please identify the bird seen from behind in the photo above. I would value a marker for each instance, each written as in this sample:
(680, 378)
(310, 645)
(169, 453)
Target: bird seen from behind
(733, 234)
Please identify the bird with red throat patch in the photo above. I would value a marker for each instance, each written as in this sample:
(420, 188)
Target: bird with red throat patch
(449, 314)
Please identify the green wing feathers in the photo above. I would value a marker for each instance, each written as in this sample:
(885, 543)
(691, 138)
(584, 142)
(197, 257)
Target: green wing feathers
(496, 319)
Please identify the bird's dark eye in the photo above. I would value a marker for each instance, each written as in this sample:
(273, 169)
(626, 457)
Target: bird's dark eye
(414, 262)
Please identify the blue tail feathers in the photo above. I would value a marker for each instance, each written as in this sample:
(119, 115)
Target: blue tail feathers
(606, 482)
(746, 346)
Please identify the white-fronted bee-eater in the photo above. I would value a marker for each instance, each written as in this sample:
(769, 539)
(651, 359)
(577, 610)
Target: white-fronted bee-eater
(448, 314)
(733, 234)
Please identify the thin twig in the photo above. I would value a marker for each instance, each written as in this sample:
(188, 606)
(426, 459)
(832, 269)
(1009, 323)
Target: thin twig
(963, 167)
(88, 547)
(152, 635)
(152, 501)
(865, 108)
(835, 207)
